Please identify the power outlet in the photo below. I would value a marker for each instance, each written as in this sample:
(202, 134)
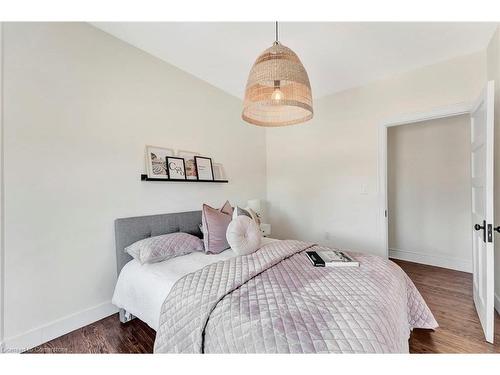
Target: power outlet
(265, 229)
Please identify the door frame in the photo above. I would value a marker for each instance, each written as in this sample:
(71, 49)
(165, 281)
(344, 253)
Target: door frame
(458, 109)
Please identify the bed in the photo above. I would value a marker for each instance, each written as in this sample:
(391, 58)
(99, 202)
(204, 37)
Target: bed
(270, 301)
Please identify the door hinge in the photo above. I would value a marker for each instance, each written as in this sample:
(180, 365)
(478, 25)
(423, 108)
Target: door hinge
(490, 233)
(385, 213)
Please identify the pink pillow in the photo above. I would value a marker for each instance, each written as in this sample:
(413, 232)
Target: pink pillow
(227, 208)
(215, 224)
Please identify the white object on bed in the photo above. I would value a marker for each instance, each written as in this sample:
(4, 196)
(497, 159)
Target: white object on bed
(141, 289)
(243, 235)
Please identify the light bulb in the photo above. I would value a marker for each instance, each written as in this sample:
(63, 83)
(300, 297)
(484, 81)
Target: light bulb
(277, 95)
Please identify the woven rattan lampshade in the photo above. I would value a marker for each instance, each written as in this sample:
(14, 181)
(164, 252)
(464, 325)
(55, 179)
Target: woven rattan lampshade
(278, 91)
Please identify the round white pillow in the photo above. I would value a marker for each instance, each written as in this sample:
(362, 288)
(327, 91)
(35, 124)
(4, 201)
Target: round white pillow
(243, 235)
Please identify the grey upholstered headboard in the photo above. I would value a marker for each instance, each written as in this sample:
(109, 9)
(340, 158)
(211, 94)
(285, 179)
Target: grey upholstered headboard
(133, 229)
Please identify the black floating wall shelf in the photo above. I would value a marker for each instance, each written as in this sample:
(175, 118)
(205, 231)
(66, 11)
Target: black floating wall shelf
(144, 177)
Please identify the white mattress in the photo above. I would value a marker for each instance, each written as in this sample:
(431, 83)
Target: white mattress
(141, 289)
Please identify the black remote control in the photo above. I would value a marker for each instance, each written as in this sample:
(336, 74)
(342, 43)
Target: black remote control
(315, 259)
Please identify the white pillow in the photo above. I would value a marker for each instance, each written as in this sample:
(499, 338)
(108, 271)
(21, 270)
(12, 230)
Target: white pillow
(243, 235)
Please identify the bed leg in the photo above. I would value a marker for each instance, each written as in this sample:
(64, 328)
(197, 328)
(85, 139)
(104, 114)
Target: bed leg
(125, 316)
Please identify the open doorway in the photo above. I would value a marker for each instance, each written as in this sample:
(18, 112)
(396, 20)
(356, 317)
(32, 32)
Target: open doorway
(481, 149)
(429, 192)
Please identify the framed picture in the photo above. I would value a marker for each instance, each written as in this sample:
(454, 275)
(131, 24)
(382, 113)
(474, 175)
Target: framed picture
(204, 168)
(156, 162)
(219, 173)
(176, 168)
(189, 162)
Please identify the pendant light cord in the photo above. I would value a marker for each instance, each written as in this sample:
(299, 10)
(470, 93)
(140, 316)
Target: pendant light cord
(277, 33)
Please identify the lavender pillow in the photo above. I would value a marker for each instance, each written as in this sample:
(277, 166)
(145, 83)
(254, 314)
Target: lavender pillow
(164, 247)
(227, 208)
(215, 225)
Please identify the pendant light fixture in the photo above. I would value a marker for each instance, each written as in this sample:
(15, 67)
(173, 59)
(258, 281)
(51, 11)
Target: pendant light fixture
(278, 91)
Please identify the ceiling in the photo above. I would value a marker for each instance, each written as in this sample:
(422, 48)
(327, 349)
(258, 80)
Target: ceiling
(336, 55)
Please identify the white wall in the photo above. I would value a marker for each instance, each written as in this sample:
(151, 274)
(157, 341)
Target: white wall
(2, 273)
(493, 72)
(322, 176)
(79, 107)
(429, 192)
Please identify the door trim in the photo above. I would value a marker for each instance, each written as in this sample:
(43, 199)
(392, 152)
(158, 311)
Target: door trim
(405, 119)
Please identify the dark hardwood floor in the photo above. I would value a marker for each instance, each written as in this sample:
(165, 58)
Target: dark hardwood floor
(104, 336)
(448, 294)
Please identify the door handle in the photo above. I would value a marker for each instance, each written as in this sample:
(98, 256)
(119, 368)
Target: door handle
(479, 227)
(483, 228)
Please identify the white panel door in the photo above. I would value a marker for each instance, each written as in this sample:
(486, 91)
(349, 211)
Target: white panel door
(482, 208)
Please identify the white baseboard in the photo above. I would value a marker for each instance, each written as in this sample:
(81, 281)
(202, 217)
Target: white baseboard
(432, 260)
(37, 336)
(497, 303)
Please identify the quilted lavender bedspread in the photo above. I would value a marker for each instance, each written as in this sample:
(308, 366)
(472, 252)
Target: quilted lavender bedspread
(275, 301)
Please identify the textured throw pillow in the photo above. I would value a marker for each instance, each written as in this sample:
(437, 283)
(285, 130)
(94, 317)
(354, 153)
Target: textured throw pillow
(253, 215)
(238, 211)
(247, 211)
(243, 235)
(167, 246)
(227, 208)
(215, 225)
